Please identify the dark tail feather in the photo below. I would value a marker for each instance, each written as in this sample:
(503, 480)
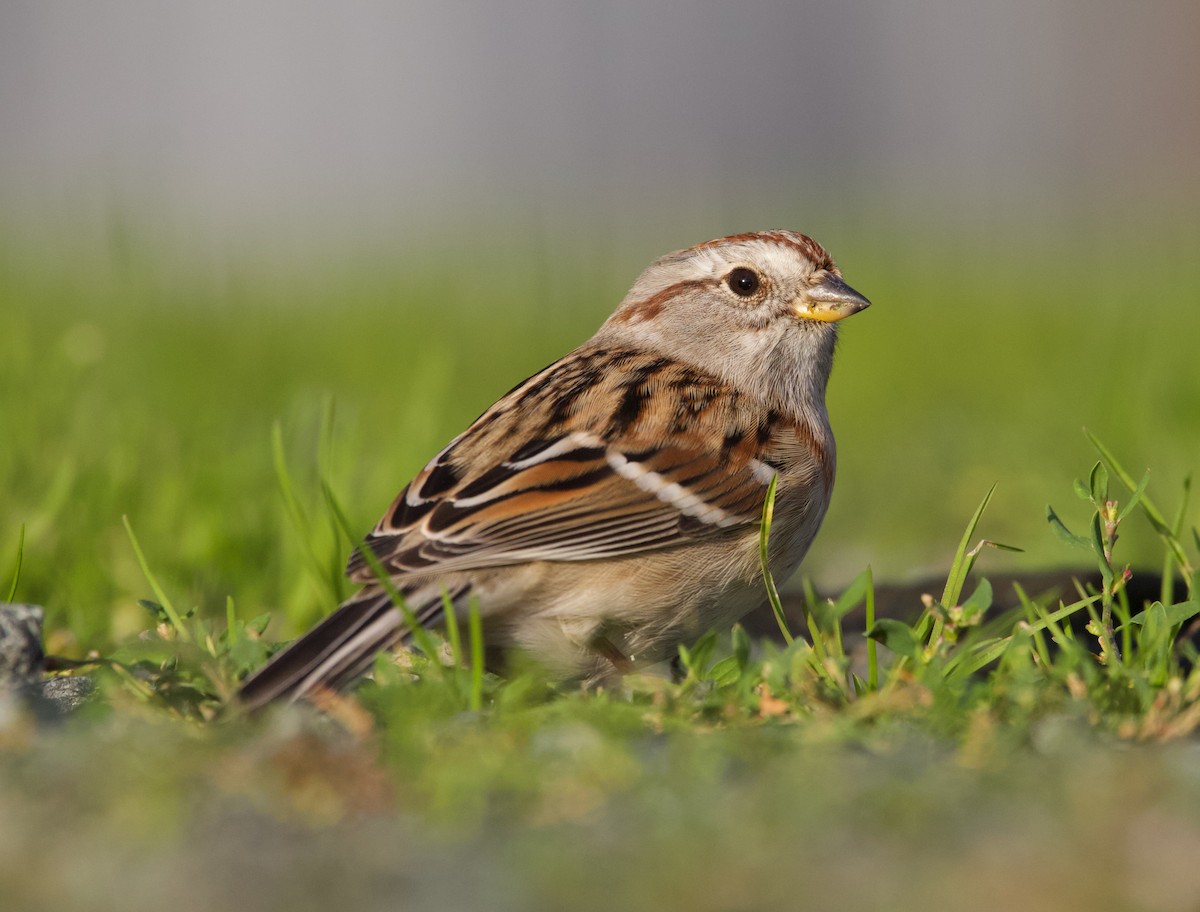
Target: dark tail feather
(331, 655)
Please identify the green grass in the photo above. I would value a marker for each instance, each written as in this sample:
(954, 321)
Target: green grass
(176, 441)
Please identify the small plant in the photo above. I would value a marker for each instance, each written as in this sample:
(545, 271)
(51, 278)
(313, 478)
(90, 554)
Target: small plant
(933, 642)
(186, 663)
(966, 656)
(1144, 659)
(1106, 518)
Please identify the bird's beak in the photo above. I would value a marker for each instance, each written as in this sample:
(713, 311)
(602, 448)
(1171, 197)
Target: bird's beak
(829, 300)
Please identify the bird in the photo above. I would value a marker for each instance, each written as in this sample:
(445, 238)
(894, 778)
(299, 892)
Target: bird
(608, 508)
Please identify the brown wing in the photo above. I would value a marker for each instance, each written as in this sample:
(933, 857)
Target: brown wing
(570, 466)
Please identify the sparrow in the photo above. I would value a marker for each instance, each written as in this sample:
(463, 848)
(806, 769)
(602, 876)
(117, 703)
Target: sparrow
(609, 507)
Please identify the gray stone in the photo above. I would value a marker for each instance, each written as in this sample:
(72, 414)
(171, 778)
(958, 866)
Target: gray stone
(21, 655)
(22, 667)
(66, 694)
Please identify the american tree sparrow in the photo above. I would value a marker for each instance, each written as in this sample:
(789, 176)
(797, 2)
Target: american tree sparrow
(608, 508)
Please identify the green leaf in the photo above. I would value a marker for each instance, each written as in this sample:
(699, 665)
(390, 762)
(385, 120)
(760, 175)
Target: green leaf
(246, 652)
(980, 655)
(696, 658)
(259, 624)
(155, 610)
(725, 671)
(853, 594)
(1172, 614)
(1048, 619)
(741, 646)
(896, 636)
(1065, 534)
(1097, 542)
(1000, 546)
(1135, 496)
(978, 603)
(962, 563)
(1098, 483)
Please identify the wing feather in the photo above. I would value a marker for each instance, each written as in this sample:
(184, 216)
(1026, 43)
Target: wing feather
(583, 477)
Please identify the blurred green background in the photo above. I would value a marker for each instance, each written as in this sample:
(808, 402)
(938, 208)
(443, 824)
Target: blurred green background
(216, 218)
(138, 385)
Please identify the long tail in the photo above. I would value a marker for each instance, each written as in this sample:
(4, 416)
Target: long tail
(332, 655)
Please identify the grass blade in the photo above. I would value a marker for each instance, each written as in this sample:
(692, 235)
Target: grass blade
(334, 566)
(296, 512)
(475, 634)
(962, 562)
(12, 589)
(872, 656)
(1167, 591)
(452, 633)
(419, 634)
(176, 621)
(764, 537)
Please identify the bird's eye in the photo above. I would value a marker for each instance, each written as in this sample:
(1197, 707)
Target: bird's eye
(743, 281)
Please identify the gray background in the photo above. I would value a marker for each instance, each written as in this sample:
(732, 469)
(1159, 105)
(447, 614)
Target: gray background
(283, 121)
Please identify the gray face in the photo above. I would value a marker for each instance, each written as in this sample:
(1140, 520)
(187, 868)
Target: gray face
(759, 311)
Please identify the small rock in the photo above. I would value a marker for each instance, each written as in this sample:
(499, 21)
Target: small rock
(21, 655)
(66, 694)
(22, 666)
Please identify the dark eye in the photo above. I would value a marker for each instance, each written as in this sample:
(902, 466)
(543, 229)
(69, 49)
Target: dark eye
(743, 281)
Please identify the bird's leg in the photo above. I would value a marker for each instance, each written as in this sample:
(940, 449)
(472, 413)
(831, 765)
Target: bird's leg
(603, 646)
